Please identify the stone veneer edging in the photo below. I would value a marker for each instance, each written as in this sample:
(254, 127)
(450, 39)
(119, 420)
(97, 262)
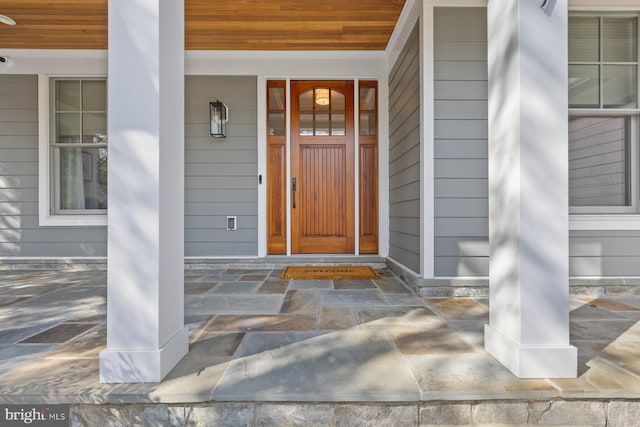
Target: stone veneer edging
(580, 412)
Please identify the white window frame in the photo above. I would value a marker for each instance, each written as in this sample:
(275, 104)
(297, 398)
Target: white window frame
(613, 217)
(45, 193)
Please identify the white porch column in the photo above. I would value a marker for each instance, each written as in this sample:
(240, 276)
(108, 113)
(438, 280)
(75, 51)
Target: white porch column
(528, 188)
(146, 336)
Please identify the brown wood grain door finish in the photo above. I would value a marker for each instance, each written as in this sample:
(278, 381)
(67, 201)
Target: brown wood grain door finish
(322, 164)
(276, 168)
(368, 164)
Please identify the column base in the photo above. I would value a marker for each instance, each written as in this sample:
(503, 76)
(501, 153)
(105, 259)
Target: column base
(531, 362)
(143, 366)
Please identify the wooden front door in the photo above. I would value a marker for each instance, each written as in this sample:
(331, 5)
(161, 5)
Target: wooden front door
(322, 170)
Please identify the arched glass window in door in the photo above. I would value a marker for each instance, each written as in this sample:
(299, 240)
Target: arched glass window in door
(322, 112)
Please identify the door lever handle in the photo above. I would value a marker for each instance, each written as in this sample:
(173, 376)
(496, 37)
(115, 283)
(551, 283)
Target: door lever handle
(293, 188)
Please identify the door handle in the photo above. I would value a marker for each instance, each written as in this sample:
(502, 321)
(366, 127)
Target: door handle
(293, 188)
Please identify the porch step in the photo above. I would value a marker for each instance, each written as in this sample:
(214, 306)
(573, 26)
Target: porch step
(281, 261)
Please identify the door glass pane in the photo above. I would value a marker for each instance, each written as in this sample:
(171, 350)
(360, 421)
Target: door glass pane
(619, 36)
(276, 98)
(584, 39)
(306, 124)
(620, 86)
(584, 89)
(368, 123)
(276, 123)
(337, 124)
(322, 124)
(306, 101)
(337, 101)
(322, 99)
(367, 98)
(94, 95)
(67, 95)
(94, 128)
(598, 159)
(82, 176)
(68, 128)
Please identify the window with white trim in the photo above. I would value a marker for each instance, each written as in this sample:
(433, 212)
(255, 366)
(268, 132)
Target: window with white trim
(603, 114)
(78, 147)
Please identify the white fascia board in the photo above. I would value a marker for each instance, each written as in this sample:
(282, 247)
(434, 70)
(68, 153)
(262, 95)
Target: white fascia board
(298, 64)
(54, 62)
(407, 20)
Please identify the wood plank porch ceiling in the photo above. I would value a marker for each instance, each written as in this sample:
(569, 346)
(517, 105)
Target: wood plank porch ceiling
(213, 24)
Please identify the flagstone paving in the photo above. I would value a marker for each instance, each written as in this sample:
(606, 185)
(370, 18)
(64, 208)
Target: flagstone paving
(257, 338)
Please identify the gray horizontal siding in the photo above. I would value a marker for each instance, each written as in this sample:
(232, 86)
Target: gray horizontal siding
(604, 253)
(404, 156)
(221, 176)
(461, 193)
(20, 232)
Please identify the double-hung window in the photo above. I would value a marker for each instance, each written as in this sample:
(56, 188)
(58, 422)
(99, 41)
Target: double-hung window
(603, 114)
(77, 150)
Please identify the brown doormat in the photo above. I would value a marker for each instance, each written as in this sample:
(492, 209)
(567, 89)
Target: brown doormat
(311, 272)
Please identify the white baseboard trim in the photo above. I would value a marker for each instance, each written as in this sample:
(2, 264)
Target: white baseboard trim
(529, 361)
(143, 366)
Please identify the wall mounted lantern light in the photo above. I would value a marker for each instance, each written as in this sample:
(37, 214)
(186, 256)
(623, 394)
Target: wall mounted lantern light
(219, 115)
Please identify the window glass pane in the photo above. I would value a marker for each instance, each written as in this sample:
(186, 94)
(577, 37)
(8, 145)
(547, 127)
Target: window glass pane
(620, 86)
(82, 177)
(584, 39)
(322, 124)
(306, 101)
(306, 124)
(368, 123)
(367, 98)
(67, 95)
(276, 123)
(94, 95)
(584, 89)
(337, 101)
(94, 128)
(619, 39)
(276, 98)
(68, 128)
(322, 99)
(598, 171)
(337, 124)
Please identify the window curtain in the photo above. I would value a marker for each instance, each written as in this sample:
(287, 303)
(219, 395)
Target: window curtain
(71, 179)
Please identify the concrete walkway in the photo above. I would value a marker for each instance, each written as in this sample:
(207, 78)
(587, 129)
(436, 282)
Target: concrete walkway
(257, 339)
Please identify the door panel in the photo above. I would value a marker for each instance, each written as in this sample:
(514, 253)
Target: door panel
(368, 198)
(322, 150)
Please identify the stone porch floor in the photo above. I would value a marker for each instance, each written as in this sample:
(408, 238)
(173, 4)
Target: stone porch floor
(265, 343)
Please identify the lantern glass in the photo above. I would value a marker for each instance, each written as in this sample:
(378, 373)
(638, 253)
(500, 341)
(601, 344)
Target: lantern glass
(219, 114)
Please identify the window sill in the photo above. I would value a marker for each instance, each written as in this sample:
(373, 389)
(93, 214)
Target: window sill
(73, 221)
(596, 222)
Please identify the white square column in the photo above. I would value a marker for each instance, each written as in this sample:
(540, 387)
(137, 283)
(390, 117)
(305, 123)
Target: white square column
(146, 336)
(528, 188)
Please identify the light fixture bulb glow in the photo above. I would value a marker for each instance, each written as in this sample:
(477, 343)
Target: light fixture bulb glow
(322, 96)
